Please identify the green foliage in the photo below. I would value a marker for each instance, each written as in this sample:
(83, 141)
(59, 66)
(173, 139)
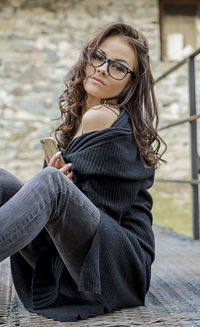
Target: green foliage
(173, 206)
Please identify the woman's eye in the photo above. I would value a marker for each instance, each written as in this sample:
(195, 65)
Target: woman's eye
(97, 56)
(119, 67)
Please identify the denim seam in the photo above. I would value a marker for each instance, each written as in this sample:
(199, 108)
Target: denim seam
(75, 201)
(71, 197)
(33, 216)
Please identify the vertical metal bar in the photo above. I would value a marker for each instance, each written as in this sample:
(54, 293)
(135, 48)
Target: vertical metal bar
(194, 154)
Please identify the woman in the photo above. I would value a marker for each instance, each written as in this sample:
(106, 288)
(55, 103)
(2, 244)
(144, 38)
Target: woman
(84, 248)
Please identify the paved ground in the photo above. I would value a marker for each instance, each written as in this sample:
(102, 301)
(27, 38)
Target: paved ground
(173, 298)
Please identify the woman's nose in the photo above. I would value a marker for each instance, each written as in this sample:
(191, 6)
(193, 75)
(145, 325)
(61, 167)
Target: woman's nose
(103, 69)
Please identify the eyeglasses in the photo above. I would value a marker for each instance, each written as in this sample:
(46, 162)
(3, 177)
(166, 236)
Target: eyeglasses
(115, 69)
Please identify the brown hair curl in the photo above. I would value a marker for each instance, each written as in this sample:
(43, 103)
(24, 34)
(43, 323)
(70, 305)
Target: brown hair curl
(138, 99)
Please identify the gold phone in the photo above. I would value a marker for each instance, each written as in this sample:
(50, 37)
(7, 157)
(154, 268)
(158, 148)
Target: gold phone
(50, 147)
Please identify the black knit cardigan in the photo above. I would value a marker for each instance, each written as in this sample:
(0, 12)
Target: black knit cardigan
(116, 271)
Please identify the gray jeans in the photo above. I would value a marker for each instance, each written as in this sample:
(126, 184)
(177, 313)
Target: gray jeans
(51, 201)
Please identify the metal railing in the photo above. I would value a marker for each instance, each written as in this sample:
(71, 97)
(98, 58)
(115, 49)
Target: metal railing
(192, 119)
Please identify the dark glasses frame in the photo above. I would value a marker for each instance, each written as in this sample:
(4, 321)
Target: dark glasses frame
(109, 61)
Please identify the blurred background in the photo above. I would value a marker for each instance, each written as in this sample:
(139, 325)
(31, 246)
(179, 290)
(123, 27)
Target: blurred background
(40, 41)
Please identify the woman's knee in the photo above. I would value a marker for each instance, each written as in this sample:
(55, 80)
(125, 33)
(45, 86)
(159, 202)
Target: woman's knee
(9, 185)
(54, 178)
(49, 171)
(55, 173)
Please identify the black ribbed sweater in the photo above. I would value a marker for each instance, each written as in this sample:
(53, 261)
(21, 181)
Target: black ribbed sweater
(116, 271)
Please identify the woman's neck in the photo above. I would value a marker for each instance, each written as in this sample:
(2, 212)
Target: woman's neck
(92, 102)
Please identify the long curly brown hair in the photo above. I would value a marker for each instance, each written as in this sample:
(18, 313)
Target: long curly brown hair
(139, 100)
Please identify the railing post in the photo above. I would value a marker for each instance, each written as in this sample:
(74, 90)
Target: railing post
(194, 153)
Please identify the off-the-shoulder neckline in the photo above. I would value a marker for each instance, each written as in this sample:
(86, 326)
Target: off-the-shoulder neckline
(112, 125)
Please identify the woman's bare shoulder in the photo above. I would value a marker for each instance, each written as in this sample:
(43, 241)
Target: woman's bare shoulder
(98, 117)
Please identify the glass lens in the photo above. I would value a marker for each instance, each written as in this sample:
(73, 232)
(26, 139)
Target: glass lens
(97, 58)
(117, 70)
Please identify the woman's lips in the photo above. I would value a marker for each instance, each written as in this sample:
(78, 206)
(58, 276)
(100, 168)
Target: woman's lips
(97, 80)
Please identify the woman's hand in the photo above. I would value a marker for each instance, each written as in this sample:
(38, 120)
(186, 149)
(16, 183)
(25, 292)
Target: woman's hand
(57, 163)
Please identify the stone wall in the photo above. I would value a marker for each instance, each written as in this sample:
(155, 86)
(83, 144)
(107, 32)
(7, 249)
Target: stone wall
(40, 41)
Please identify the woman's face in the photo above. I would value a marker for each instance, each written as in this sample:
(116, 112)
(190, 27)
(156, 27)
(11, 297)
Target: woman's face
(98, 83)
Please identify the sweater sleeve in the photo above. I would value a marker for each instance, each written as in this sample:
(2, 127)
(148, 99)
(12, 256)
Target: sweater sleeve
(138, 219)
